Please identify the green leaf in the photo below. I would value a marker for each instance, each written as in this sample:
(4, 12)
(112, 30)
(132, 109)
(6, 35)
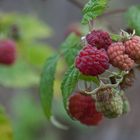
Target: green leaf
(93, 9)
(133, 18)
(69, 83)
(5, 126)
(115, 37)
(70, 48)
(46, 84)
(19, 75)
(30, 27)
(35, 53)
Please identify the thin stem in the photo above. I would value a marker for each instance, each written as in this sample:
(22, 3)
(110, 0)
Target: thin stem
(91, 24)
(77, 3)
(109, 13)
(113, 12)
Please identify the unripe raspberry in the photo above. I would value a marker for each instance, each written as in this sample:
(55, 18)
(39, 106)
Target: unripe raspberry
(133, 48)
(7, 52)
(118, 58)
(82, 108)
(99, 39)
(109, 103)
(91, 61)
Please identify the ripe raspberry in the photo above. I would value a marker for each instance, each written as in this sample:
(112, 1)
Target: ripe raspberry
(82, 108)
(133, 48)
(99, 38)
(7, 52)
(92, 61)
(118, 58)
(109, 103)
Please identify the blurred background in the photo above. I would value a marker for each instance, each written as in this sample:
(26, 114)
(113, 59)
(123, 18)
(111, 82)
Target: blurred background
(41, 26)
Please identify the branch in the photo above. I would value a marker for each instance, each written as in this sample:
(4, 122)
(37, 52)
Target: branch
(113, 12)
(77, 4)
(109, 13)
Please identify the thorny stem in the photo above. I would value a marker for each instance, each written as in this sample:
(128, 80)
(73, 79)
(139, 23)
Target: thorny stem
(102, 85)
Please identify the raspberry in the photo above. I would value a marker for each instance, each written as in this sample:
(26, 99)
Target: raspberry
(118, 58)
(133, 48)
(99, 38)
(7, 52)
(92, 61)
(82, 108)
(109, 103)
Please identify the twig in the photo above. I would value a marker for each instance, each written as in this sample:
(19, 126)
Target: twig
(113, 12)
(77, 3)
(109, 13)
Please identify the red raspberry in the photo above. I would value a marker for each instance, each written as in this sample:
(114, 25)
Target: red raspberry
(92, 61)
(118, 58)
(133, 48)
(7, 52)
(99, 38)
(82, 108)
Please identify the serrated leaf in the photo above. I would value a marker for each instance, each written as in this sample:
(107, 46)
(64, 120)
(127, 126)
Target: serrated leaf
(93, 9)
(46, 84)
(69, 83)
(133, 18)
(70, 48)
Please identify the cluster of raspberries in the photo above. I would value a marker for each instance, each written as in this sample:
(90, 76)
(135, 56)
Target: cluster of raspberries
(91, 111)
(93, 60)
(7, 52)
(100, 52)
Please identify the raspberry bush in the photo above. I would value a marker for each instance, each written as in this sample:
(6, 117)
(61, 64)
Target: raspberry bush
(100, 67)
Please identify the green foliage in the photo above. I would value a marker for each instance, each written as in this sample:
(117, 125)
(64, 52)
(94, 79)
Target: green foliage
(47, 83)
(5, 126)
(69, 83)
(133, 18)
(93, 9)
(28, 118)
(35, 53)
(70, 48)
(29, 26)
(115, 37)
(19, 75)
(31, 52)
(89, 78)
